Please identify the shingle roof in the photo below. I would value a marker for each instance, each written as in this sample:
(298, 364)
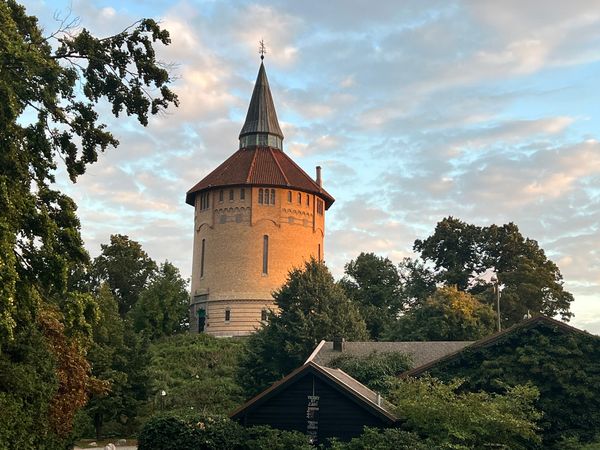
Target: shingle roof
(261, 116)
(345, 382)
(420, 352)
(263, 166)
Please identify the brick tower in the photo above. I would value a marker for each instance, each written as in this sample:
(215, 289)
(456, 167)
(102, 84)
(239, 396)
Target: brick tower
(257, 216)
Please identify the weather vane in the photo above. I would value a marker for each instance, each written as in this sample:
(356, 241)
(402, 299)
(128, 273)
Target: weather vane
(262, 49)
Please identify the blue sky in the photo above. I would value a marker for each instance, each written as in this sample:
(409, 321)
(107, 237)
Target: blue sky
(487, 111)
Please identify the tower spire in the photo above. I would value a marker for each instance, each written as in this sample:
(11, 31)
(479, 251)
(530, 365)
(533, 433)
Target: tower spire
(261, 127)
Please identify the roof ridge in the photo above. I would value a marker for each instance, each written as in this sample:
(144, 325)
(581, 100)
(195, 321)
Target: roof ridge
(251, 168)
(279, 166)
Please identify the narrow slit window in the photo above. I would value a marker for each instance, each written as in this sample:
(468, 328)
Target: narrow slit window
(263, 315)
(319, 253)
(202, 258)
(227, 315)
(299, 198)
(231, 195)
(243, 194)
(265, 268)
(307, 200)
(290, 196)
(272, 196)
(221, 194)
(260, 196)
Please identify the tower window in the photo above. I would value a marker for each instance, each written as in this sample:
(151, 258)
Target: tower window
(231, 195)
(260, 196)
(221, 194)
(227, 315)
(242, 194)
(265, 268)
(320, 206)
(204, 200)
(263, 315)
(272, 196)
(290, 196)
(299, 198)
(307, 200)
(201, 319)
(202, 258)
(318, 252)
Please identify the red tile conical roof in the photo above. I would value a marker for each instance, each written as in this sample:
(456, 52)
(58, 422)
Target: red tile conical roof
(260, 166)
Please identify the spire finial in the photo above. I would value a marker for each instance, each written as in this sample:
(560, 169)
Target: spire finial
(262, 49)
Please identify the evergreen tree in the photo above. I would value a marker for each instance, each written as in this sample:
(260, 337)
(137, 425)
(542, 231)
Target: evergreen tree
(310, 307)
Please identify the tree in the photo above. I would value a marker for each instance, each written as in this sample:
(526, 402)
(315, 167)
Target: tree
(127, 269)
(373, 283)
(310, 307)
(45, 119)
(462, 253)
(447, 315)
(417, 282)
(162, 308)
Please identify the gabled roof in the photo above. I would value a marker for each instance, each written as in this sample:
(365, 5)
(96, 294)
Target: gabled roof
(262, 166)
(495, 338)
(261, 116)
(420, 352)
(336, 378)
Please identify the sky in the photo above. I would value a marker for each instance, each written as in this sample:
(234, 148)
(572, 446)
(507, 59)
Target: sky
(417, 110)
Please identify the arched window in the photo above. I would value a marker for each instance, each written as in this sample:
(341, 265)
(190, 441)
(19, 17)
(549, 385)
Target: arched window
(299, 198)
(242, 194)
(221, 195)
(272, 196)
(307, 200)
(230, 194)
(260, 196)
(290, 196)
(265, 265)
(202, 258)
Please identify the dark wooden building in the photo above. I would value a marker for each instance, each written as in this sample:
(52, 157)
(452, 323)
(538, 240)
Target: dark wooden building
(319, 401)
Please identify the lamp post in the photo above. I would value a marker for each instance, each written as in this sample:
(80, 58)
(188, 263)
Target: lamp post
(163, 394)
(496, 284)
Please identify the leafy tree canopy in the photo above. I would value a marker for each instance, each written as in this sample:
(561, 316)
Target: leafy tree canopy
(563, 365)
(447, 315)
(461, 253)
(162, 309)
(310, 307)
(449, 418)
(127, 269)
(45, 117)
(373, 283)
(376, 370)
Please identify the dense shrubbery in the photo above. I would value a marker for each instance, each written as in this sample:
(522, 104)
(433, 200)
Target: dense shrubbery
(214, 433)
(375, 370)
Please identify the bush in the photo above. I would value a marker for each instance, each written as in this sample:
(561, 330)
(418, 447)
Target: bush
(377, 439)
(214, 433)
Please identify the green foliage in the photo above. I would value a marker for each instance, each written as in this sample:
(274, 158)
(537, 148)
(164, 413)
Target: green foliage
(162, 308)
(376, 370)
(214, 433)
(461, 252)
(563, 365)
(447, 315)
(312, 307)
(45, 119)
(196, 371)
(127, 269)
(449, 418)
(373, 283)
(417, 282)
(386, 439)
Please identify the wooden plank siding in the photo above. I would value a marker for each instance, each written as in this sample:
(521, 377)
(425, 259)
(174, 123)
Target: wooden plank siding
(341, 414)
